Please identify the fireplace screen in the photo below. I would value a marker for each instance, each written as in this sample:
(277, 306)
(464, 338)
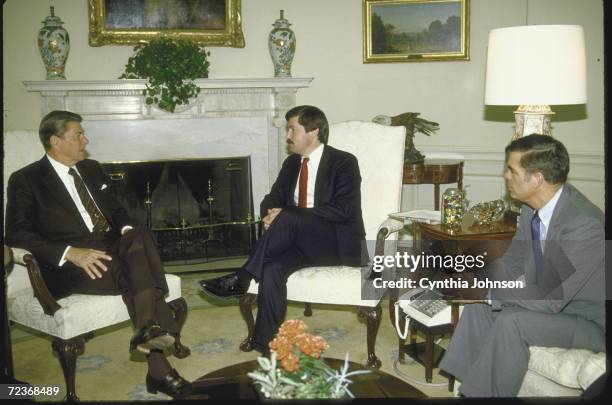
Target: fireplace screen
(199, 210)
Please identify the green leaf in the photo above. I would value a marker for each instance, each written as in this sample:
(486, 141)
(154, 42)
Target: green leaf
(170, 66)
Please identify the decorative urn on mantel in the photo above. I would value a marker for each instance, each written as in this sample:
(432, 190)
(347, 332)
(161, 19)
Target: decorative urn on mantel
(54, 45)
(282, 46)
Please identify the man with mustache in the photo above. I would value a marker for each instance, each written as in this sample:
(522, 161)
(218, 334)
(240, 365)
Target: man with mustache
(312, 217)
(558, 250)
(63, 210)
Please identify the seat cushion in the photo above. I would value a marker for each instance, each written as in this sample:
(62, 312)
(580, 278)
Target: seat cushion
(338, 285)
(573, 368)
(79, 313)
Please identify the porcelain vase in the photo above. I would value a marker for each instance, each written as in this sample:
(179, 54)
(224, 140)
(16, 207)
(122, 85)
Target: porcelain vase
(54, 45)
(281, 42)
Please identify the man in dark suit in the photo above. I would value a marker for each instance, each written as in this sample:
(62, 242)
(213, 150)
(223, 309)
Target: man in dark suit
(312, 217)
(62, 209)
(558, 251)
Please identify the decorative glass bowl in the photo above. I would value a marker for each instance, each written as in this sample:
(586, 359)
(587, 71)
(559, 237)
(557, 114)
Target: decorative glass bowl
(489, 211)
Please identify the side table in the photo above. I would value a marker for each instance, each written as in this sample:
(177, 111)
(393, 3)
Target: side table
(436, 172)
(436, 238)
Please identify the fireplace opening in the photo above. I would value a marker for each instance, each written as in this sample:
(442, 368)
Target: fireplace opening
(199, 210)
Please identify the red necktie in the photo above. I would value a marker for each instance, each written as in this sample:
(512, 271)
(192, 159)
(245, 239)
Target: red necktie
(303, 191)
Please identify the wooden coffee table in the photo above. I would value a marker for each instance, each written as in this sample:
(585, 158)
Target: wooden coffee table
(232, 382)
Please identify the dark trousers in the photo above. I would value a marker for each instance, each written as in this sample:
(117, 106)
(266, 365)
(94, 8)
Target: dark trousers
(136, 267)
(296, 239)
(489, 350)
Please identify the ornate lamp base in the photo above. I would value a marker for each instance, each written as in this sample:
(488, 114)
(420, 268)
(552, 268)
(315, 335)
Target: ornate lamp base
(532, 119)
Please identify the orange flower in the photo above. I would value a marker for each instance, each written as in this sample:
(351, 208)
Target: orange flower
(311, 345)
(280, 345)
(290, 363)
(292, 328)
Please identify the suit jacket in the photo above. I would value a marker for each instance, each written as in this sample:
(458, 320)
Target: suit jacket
(42, 217)
(337, 198)
(572, 274)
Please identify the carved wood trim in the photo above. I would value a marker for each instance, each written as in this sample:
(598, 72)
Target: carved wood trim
(41, 291)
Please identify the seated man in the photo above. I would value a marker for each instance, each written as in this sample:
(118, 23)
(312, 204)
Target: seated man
(62, 209)
(558, 251)
(312, 217)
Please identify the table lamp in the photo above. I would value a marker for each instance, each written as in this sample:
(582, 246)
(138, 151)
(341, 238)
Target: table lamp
(533, 67)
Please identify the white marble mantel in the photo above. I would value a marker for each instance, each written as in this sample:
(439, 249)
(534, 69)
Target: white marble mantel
(229, 118)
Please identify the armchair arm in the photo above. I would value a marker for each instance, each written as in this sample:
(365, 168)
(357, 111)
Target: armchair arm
(41, 291)
(385, 229)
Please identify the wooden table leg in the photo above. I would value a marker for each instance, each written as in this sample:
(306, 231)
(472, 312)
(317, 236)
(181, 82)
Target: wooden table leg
(454, 321)
(429, 346)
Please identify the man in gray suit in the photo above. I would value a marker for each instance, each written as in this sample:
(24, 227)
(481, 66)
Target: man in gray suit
(558, 251)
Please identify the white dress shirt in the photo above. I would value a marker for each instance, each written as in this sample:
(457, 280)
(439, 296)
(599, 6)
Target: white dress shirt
(545, 214)
(313, 167)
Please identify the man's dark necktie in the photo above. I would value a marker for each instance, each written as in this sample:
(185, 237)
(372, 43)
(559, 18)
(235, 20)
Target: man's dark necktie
(536, 244)
(99, 222)
(303, 190)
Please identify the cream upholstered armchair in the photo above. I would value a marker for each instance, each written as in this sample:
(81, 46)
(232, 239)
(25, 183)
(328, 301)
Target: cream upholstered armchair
(72, 320)
(380, 152)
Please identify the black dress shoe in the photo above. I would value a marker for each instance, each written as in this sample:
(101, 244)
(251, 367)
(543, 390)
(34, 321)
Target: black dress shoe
(172, 385)
(150, 336)
(223, 287)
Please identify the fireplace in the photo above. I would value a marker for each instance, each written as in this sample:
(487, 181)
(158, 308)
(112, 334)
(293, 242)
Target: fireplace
(200, 210)
(233, 120)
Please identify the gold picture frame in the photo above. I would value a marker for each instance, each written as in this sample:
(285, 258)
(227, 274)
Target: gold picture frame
(416, 30)
(128, 22)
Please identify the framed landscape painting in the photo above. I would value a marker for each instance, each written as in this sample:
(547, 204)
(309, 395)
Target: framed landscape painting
(415, 30)
(127, 22)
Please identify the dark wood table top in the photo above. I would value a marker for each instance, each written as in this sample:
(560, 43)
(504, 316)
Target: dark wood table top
(502, 230)
(434, 171)
(232, 382)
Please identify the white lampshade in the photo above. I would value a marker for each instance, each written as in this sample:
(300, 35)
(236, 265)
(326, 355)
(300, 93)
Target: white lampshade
(536, 65)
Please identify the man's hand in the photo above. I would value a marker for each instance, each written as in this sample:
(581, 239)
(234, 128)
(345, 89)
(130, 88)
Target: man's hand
(268, 219)
(90, 260)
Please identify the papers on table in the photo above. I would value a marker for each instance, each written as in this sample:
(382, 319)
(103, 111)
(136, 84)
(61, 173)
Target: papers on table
(427, 216)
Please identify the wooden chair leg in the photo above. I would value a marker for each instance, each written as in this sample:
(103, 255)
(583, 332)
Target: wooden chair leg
(246, 310)
(372, 318)
(179, 307)
(67, 351)
(307, 309)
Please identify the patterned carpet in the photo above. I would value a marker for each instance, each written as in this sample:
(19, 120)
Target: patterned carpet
(213, 331)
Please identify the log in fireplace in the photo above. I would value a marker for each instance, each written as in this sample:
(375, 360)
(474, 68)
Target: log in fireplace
(200, 210)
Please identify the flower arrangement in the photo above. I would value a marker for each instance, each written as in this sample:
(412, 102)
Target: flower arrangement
(295, 368)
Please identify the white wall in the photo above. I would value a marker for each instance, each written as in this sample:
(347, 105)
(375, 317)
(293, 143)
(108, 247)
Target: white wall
(329, 48)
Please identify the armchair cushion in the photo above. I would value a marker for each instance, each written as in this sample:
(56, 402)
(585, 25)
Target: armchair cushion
(340, 285)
